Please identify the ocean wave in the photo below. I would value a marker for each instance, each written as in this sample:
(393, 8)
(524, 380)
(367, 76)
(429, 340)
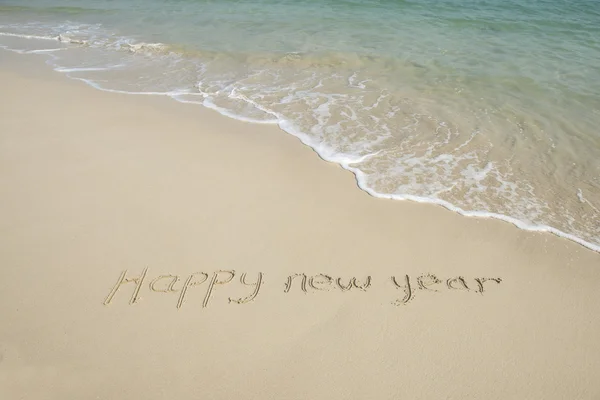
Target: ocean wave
(404, 134)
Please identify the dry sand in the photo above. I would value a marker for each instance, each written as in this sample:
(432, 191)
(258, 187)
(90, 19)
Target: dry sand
(95, 183)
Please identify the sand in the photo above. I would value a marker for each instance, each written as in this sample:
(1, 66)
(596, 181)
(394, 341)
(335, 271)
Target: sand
(98, 186)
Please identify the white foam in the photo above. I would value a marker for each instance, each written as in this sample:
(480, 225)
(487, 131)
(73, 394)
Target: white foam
(324, 151)
(223, 111)
(21, 51)
(66, 39)
(95, 85)
(239, 96)
(88, 69)
(145, 47)
(584, 200)
(44, 51)
(23, 36)
(580, 196)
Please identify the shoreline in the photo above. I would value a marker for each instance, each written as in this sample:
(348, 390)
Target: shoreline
(345, 164)
(256, 270)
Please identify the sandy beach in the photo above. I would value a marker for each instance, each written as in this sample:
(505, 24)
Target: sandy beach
(157, 250)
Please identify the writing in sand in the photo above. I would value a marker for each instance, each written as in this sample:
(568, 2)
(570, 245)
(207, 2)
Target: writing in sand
(131, 285)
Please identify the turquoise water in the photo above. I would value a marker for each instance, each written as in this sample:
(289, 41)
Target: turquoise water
(488, 108)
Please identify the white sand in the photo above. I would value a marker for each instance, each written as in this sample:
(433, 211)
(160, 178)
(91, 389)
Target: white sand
(95, 183)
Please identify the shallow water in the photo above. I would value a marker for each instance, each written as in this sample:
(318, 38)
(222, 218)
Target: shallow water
(489, 108)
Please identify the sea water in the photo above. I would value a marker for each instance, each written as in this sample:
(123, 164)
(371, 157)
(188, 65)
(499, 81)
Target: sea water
(487, 107)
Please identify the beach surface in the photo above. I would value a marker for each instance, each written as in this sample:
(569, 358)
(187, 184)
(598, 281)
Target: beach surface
(157, 250)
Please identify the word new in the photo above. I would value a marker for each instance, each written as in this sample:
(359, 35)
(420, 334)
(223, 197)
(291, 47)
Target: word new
(409, 286)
